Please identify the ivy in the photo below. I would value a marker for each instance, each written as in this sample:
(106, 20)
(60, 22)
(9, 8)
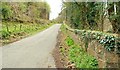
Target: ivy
(108, 41)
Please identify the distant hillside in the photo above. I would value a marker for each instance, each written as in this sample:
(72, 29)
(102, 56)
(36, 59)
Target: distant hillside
(25, 11)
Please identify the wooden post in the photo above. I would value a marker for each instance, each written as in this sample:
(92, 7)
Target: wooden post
(7, 27)
(20, 27)
(14, 27)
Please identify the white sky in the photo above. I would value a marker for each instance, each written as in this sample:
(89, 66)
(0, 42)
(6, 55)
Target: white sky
(55, 6)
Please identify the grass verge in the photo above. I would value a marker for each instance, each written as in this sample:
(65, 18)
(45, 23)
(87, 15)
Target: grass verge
(14, 31)
(76, 55)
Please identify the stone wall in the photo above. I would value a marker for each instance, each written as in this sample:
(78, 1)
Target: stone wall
(106, 59)
(107, 26)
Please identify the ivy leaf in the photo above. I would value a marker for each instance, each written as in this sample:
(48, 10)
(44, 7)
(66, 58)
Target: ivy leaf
(98, 37)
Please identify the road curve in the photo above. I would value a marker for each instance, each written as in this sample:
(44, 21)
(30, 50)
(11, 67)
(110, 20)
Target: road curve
(32, 52)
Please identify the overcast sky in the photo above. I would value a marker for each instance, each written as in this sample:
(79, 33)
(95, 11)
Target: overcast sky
(55, 6)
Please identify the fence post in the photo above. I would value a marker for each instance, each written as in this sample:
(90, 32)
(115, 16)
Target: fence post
(20, 26)
(14, 27)
(7, 27)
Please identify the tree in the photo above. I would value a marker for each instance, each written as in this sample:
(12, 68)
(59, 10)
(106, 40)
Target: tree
(25, 11)
(114, 16)
(92, 15)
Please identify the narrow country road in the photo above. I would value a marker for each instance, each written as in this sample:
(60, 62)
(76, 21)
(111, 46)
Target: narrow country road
(32, 52)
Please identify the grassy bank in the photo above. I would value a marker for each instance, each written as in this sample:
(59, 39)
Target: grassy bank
(75, 54)
(13, 31)
(79, 57)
